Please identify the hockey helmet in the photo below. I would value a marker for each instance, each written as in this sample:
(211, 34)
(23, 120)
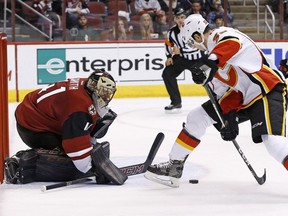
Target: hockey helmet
(194, 23)
(102, 87)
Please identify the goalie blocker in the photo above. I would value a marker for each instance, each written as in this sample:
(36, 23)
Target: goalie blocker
(54, 166)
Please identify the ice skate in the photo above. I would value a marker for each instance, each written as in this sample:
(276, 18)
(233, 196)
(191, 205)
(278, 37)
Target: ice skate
(173, 108)
(167, 173)
(11, 166)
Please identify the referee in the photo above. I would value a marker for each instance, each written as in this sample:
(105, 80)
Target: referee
(179, 57)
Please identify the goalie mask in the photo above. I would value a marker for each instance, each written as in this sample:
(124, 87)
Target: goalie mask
(102, 88)
(194, 23)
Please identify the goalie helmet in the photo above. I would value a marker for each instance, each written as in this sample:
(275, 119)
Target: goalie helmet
(194, 23)
(102, 87)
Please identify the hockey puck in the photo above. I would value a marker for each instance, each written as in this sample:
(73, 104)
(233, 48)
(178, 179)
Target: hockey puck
(193, 181)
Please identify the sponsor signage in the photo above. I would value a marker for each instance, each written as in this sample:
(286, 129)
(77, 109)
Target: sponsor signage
(130, 64)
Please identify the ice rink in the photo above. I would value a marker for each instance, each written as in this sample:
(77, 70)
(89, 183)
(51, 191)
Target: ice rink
(226, 186)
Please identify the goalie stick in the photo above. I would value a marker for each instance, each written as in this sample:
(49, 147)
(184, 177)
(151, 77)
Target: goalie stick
(261, 180)
(128, 170)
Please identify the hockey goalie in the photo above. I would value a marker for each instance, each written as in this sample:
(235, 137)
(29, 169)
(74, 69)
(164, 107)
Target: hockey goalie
(61, 123)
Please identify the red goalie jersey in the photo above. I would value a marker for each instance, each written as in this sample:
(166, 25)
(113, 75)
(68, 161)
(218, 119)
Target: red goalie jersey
(64, 108)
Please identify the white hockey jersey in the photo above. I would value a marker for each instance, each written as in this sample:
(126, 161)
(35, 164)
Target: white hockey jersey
(245, 74)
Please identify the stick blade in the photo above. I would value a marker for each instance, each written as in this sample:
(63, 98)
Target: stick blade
(155, 146)
(262, 179)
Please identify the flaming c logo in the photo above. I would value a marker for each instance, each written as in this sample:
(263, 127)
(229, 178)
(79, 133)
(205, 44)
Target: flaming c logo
(231, 79)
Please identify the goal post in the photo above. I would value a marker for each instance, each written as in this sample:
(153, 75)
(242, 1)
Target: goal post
(4, 112)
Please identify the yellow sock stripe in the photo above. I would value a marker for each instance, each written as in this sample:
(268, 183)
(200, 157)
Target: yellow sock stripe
(183, 144)
(187, 141)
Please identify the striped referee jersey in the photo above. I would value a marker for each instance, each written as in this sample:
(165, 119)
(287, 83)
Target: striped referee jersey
(174, 38)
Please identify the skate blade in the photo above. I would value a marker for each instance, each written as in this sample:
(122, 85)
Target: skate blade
(170, 182)
(173, 111)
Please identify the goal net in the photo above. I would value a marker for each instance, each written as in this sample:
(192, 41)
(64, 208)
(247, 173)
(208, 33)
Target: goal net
(4, 131)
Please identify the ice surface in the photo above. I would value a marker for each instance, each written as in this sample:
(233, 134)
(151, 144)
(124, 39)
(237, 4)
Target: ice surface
(226, 186)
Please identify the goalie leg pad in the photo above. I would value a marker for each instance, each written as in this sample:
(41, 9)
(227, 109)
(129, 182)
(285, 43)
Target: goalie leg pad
(11, 169)
(106, 167)
(106, 147)
(55, 166)
(27, 166)
(46, 165)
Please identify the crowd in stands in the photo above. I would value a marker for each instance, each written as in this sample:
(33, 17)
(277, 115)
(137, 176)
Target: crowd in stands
(137, 19)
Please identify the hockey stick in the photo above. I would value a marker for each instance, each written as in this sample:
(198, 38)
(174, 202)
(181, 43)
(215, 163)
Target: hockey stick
(128, 170)
(260, 180)
(142, 167)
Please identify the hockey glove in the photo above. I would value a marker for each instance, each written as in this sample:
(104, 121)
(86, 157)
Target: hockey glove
(203, 71)
(103, 124)
(231, 129)
(109, 117)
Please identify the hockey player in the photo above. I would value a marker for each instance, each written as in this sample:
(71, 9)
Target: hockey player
(247, 86)
(179, 57)
(60, 123)
(283, 67)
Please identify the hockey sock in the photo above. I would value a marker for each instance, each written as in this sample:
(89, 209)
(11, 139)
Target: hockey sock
(285, 162)
(183, 146)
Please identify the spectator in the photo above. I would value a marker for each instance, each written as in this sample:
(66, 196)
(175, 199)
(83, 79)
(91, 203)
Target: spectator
(45, 8)
(174, 3)
(124, 32)
(185, 4)
(219, 21)
(208, 6)
(73, 10)
(160, 25)
(165, 5)
(146, 26)
(211, 5)
(147, 6)
(283, 67)
(219, 10)
(57, 6)
(275, 7)
(196, 8)
(83, 32)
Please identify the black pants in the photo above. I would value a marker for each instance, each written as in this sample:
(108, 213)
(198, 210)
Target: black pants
(170, 74)
(45, 140)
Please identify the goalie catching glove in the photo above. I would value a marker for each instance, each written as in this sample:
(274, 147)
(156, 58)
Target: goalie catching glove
(203, 71)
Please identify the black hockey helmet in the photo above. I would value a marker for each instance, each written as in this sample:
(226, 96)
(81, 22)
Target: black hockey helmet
(101, 86)
(179, 11)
